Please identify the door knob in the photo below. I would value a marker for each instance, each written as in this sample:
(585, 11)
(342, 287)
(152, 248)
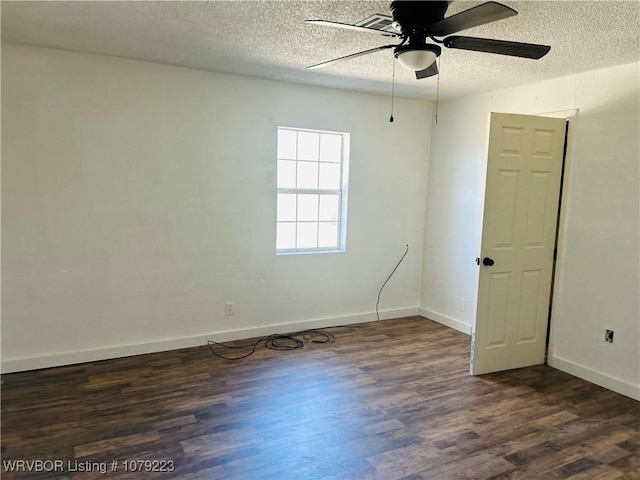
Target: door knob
(487, 262)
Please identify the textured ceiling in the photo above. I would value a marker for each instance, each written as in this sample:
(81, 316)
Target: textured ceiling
(269, 39)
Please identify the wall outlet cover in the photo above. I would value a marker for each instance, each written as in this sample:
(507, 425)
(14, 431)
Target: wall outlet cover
(608, 336)
(462, 304)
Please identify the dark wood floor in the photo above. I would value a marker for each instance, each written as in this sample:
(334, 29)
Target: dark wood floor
(391, 400)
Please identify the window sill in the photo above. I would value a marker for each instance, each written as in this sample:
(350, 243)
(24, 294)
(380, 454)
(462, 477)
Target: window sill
(310, 252)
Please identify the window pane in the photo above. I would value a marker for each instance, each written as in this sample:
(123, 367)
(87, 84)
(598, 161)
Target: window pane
(329, 208)
(328, 234)
(287, 144)
(308, 146)
(307, 235)
(307, 208)
(286, 235)
(329, 176)
(286, 207)
(286, 174)
(330, 148)
(308, 175)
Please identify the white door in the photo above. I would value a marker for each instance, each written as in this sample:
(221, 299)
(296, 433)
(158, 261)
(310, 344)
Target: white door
(524, 171)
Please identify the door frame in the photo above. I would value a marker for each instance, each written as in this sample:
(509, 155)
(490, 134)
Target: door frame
(571, 116)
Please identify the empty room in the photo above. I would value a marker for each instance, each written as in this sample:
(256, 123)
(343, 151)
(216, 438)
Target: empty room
(299, 240)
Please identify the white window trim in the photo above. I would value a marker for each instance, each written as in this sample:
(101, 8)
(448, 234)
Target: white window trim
(342, 196)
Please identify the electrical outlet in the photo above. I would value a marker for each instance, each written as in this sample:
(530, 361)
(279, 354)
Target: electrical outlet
(228, 308)
(608, 336)
(462, 304)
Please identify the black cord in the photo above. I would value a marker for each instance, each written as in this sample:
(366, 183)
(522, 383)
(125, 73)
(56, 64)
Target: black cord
(393, 88)
(278, 341)
(253, 347)
(389, 278)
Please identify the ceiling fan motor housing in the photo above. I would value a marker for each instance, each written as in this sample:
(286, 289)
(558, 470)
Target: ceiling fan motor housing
(413, 17)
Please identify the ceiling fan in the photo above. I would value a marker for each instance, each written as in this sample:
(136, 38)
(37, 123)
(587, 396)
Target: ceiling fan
(414, 22)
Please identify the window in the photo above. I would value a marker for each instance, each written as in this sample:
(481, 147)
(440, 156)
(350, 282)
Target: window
(312, 182)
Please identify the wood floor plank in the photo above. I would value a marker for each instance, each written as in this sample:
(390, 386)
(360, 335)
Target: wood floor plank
(102, 446)
(388, 400)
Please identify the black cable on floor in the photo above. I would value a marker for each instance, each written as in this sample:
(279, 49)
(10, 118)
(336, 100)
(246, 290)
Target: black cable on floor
(279, 341)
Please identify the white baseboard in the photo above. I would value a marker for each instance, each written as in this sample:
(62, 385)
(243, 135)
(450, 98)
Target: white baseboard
(593, 376)
(82, 356)
(443, 319)
(230, 335)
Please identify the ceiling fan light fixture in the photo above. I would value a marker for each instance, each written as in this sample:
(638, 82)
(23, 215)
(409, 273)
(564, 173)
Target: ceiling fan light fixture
(417, 58)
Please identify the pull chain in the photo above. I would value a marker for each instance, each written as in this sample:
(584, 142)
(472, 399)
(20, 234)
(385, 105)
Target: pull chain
(393, 88)
(438, 88)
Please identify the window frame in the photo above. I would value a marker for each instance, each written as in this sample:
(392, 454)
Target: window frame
(341, 193)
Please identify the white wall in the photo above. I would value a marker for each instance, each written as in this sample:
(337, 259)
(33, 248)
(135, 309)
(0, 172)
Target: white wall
(137, 198)
(598, 278)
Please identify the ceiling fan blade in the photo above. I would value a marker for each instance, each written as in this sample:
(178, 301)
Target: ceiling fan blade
(501, 47)
(480, 15)
(348, 57)
(348, 26)
(427, 72)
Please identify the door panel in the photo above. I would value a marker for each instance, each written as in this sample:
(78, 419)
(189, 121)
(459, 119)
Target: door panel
(537, 212)
(529, 300)
(521, 206)
(507, 188)
(497, 329)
